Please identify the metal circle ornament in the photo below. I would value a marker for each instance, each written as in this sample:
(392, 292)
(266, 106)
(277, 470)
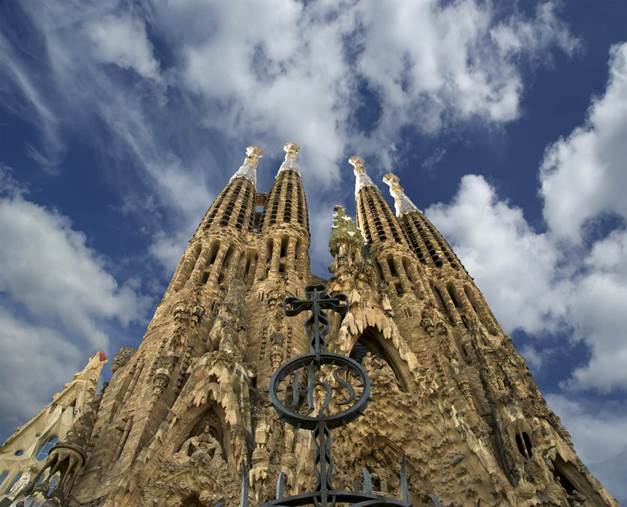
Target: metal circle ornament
(320, 388)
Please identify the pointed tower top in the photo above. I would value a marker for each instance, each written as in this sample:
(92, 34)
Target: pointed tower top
(291, 156)
(361, 178)
(92, 368)
(248, 169)
(402, 203)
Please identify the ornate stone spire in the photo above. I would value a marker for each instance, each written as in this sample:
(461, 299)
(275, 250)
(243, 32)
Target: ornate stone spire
(361, 178)
(291, 156)
(248, 169)
(402, 203)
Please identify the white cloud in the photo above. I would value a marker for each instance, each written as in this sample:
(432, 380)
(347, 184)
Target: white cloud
(453, 62)
(597, 306)
(534, 356)
(282, 78)
(34, 360)
(58, 303)
(513, 265)
(537, 281)
(46, 266)
(515, 36)
(583, 175)
(290, 75)
(535, 284)
(35, 106)
(294, 73)
(122, 40)
(167, 249)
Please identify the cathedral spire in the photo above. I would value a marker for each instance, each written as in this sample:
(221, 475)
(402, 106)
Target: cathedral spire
(402, 203)
(361, 178)
(248, 169)
(291, 157)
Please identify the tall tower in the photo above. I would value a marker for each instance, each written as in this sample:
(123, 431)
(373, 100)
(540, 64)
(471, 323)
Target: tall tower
(450, 393)
(186, 419)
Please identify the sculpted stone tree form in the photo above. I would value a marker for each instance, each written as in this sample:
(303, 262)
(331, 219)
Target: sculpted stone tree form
(187, 419)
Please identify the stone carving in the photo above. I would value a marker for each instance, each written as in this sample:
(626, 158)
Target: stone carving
(121, 358)
(450, 394)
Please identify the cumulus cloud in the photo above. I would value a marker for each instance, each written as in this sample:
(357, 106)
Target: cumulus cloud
(57, 303)
(282, 78)
(515, 36)
(536, 281)
(597, 305)
(122, 40)
(46, 266)
(33, 360)
(583, 175)
(292, 72)
(535, 284)
(514, 266)
(455, 61)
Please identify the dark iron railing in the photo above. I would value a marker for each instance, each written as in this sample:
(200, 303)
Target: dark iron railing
(319, 391)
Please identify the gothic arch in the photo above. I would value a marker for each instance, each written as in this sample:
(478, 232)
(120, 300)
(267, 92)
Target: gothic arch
(209, 418)
(211, 391)
(383, 336)
(371, 340)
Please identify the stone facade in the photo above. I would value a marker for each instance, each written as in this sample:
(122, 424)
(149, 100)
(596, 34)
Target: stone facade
(25, 452)
(187, 414)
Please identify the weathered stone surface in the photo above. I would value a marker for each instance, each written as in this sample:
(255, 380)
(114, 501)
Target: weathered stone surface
(187, 416)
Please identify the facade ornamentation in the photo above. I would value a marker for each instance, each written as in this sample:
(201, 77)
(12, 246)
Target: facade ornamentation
(187, 419)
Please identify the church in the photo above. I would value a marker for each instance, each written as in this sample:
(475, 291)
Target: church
(454, 417)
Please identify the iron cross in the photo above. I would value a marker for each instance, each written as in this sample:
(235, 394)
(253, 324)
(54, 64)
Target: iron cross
(316, 301)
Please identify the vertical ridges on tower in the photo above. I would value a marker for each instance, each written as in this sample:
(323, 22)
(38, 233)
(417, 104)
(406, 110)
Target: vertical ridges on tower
(383, 234)
(374, 216)
(286, 201)
(454, 291)
(214, 255)
(428, 244)
(235, 203)
(285, 223)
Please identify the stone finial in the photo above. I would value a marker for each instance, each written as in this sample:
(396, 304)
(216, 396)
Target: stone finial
(394, 182)
(291, 150)
(402, 203)
(248, 169)
(291, 156)
(361, 178)
(358, 164)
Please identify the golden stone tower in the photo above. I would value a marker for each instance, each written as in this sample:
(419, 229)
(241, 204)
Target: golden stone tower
(186, 419)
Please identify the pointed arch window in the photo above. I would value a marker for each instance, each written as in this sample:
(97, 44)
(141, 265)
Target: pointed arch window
(523, 442)
(192, 501)
(372, 342)
(207, 432)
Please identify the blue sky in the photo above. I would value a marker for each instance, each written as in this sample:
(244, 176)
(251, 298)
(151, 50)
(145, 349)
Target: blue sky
(506, 121)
